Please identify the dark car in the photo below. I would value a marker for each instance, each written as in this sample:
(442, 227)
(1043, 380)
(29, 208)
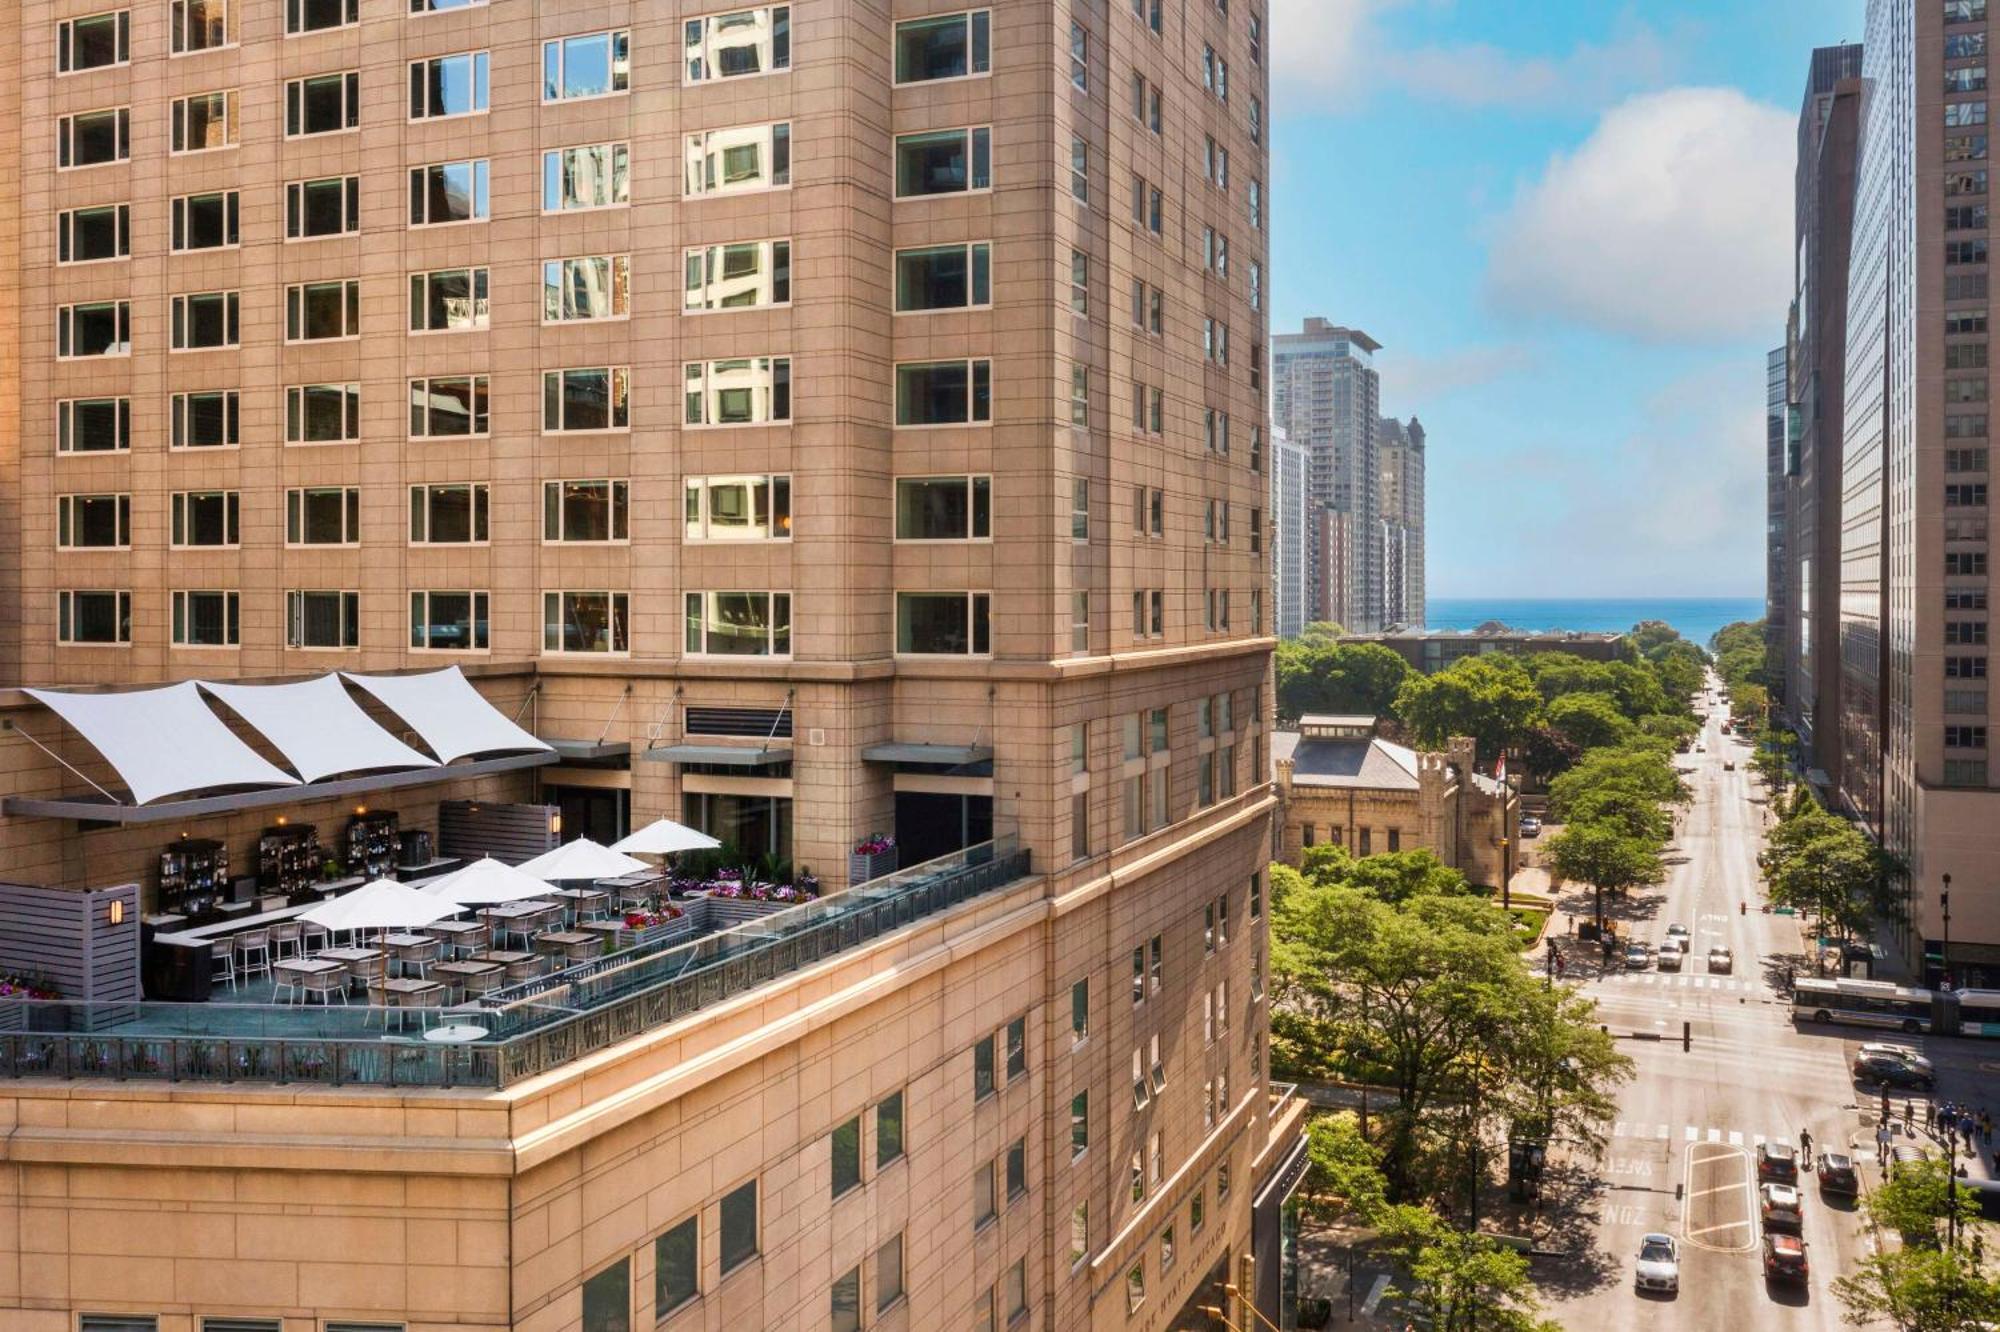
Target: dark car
(1836, 1175)
(1777, 1160)
(1784, 1257)
(1888, 1071)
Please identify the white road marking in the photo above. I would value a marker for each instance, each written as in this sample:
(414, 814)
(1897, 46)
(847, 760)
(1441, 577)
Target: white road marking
(1662, 1134)
(1715, 1135)
(1690, 1133)
(1735, 1138)
(1618, 1129)
(1375, 1294)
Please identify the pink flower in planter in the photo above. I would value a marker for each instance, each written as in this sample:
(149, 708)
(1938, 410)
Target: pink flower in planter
(875, 844)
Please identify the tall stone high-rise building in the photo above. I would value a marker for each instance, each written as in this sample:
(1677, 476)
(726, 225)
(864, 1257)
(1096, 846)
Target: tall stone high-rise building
(1327, 395)
(1776, 525)
(1915, 540)
(1401, 524)
(816, 420)
(1291, 535)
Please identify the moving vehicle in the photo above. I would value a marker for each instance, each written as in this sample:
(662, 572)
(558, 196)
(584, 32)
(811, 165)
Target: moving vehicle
(1721, 959)
(1781, 1207)
(1902, 1052)
(1867, 1003)
(1777, 1161)
(1678, 931)
(1978, 1012)
(1784, 1257)
(1671, 955)
(1729, 765)
(1659, 1264)
(1636, 957)
(1889, 1071)
(1530, 826)
(1836, 1175)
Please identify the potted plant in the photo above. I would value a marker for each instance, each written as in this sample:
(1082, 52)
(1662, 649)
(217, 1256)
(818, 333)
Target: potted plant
(652, 925)
(16, 985)
(872, 857)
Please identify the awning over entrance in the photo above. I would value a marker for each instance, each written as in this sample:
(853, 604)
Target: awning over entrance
(722, 756)
(944, 756)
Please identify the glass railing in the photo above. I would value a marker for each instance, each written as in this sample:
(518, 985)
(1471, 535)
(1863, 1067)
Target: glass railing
(523, 1030)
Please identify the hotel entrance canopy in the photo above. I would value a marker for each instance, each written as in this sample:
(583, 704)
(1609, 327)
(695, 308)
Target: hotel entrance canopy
(177, 757)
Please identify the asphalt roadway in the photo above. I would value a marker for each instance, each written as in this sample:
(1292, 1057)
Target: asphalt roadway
(1681, 1154)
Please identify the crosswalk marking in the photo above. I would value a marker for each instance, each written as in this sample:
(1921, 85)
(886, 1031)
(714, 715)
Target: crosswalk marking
(1690, 1133)
(1683, 982)
(1715, 1135)
(1693, 1133)
(1735, 1137)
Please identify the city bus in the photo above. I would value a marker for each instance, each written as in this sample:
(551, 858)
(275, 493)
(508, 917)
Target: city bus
(1977, 1012)
(1873, 1004)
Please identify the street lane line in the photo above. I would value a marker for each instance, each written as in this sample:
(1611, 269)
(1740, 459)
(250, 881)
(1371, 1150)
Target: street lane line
(1618, 1129)
(1690, 1132)
(1375, 1294)
(1721, 1188)
(1715, 1135)
(1725, 1225)
(1662, 1134)
(1735, 1138)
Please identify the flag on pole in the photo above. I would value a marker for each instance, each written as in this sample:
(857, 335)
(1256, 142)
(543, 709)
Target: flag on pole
(1500, 768)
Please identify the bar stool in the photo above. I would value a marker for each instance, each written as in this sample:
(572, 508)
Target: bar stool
(287, 940)
(253, 953)
(222, 961)
(315, 936)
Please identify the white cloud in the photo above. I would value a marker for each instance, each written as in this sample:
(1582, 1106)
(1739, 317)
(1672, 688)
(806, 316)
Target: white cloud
(1486, 76)
(1672, 221)
(1411, 383)
(1316, 51)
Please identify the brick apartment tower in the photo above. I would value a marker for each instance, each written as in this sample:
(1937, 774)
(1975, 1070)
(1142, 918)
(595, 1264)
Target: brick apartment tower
(896, 366)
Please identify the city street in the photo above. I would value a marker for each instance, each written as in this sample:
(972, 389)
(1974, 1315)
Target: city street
(1692, 1119)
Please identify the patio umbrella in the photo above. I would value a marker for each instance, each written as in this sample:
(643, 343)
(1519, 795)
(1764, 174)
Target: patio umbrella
(381, 905)
(483, 882)
(581, 859)
(664, 837)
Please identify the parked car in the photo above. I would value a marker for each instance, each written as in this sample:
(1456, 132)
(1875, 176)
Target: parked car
(1721, 959)
(1778, 1161)
(1836, 1175)
(1659, 1264)
(1781, 1207)
(1902, 1052)
(1530, 826)
(1784, 1257)
(1881, 1070)
(1671, 955)
(1636, 957)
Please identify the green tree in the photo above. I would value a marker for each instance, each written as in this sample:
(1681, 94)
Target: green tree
(1490, 698)
(1916, 1201)
(1605, 856)
(1819, 863)
(1548, 753)
(1467, 1282)
(1773, 761)
(1338, 678)
(1321, 631)
(1623, 808)
(1591, 721)
(1643, 766)
(1920, 1290)
(1343, 1172)
(1682, 668)
(1393, 877)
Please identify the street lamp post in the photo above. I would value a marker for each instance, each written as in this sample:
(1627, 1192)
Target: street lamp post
(1944, 962)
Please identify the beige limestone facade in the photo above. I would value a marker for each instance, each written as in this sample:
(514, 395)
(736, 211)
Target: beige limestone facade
(321, 396)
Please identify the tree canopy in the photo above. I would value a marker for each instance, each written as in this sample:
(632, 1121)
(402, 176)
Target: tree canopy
(1325, 676)
(1490, 697)
(1819, 863)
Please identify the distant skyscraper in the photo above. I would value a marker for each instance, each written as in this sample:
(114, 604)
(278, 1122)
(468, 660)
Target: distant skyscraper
(1776, 536)
(1290, 535)
(1914, 548)
(1400, 502)
(1326, 394)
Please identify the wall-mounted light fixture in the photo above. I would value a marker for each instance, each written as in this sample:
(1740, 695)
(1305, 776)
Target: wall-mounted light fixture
(117, 914)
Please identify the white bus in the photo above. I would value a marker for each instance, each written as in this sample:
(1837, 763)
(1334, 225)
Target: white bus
(1866, 1003)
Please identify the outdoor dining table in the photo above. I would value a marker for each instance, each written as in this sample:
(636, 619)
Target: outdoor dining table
(520, 966)
(574, 945)
(460, 936)
(512, 917)
(348, 957)
(408, 948)
(456, 974)
(583, 900)
(607, 930)
(297, 969)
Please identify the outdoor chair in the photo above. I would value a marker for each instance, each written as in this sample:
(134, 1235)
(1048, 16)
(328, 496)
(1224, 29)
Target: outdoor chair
(326, 984)
(222, 961)
(287, 940)
(253, 953)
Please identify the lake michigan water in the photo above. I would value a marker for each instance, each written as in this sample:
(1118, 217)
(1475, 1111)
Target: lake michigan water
(1697, 618)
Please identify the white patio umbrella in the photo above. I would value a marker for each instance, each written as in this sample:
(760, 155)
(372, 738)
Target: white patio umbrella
(381, 905)
(483, 882)
(664, 837)
(581, 859)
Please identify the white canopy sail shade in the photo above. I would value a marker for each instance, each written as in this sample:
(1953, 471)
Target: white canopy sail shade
(163, 741)
(484, 882)
(453, 718)
(381, 905)
(664, 837)
(318, 727)
(581, 859)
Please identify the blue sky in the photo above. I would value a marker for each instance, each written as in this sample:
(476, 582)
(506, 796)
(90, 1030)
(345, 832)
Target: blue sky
(1569, 224)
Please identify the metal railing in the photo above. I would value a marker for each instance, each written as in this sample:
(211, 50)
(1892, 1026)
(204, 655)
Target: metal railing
(530, 1029)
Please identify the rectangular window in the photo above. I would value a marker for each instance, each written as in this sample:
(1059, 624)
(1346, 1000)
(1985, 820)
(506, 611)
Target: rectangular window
(1079, 643)
(845, 1145)
(448, 515)
(950, 46)
(747, 390)
(933, 393)
(452, 85)
(205, 320)
(944, 277)
(1017, 1049)
(100, 328)
(316, 311)
(607, 1299)
(1135, 1279)
(1079, 396)
(93, 617)
(595, 399)
(1079, 1234)
(199, 25)
(316, 208)
(204, 122)
(590, 176)
(441, 6)
(1079, 1011)
(1079, 57)
(595, 64)
(444, 193)
(207, 619)
(943, 508)
(322, 619)
(738, 160)
(944, 623)
(204, 518)
(742, 276)
(739, 1226)
(739, 624)
(204, 420)
(738, 45)
(953, 161)
(92, 138)
(322, 413)
(985, 1205)
(585, 622)
(676, 1267)
(983, 1082)
(1079, 283)
(94, 41)
(844, 1302)
(454, 621)
(323, 516)
(89, 235)
(93, 425)
(448, 405)
(739, 508)
(1017, 1165)
(452, 300)
(1079, 1124)
(93, 522)
(318, 15)
(1965, 737)
(579, 511)
(889, 1130)
(1079, 169)
(889, 1274)
(322, 104)
(205, 221)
